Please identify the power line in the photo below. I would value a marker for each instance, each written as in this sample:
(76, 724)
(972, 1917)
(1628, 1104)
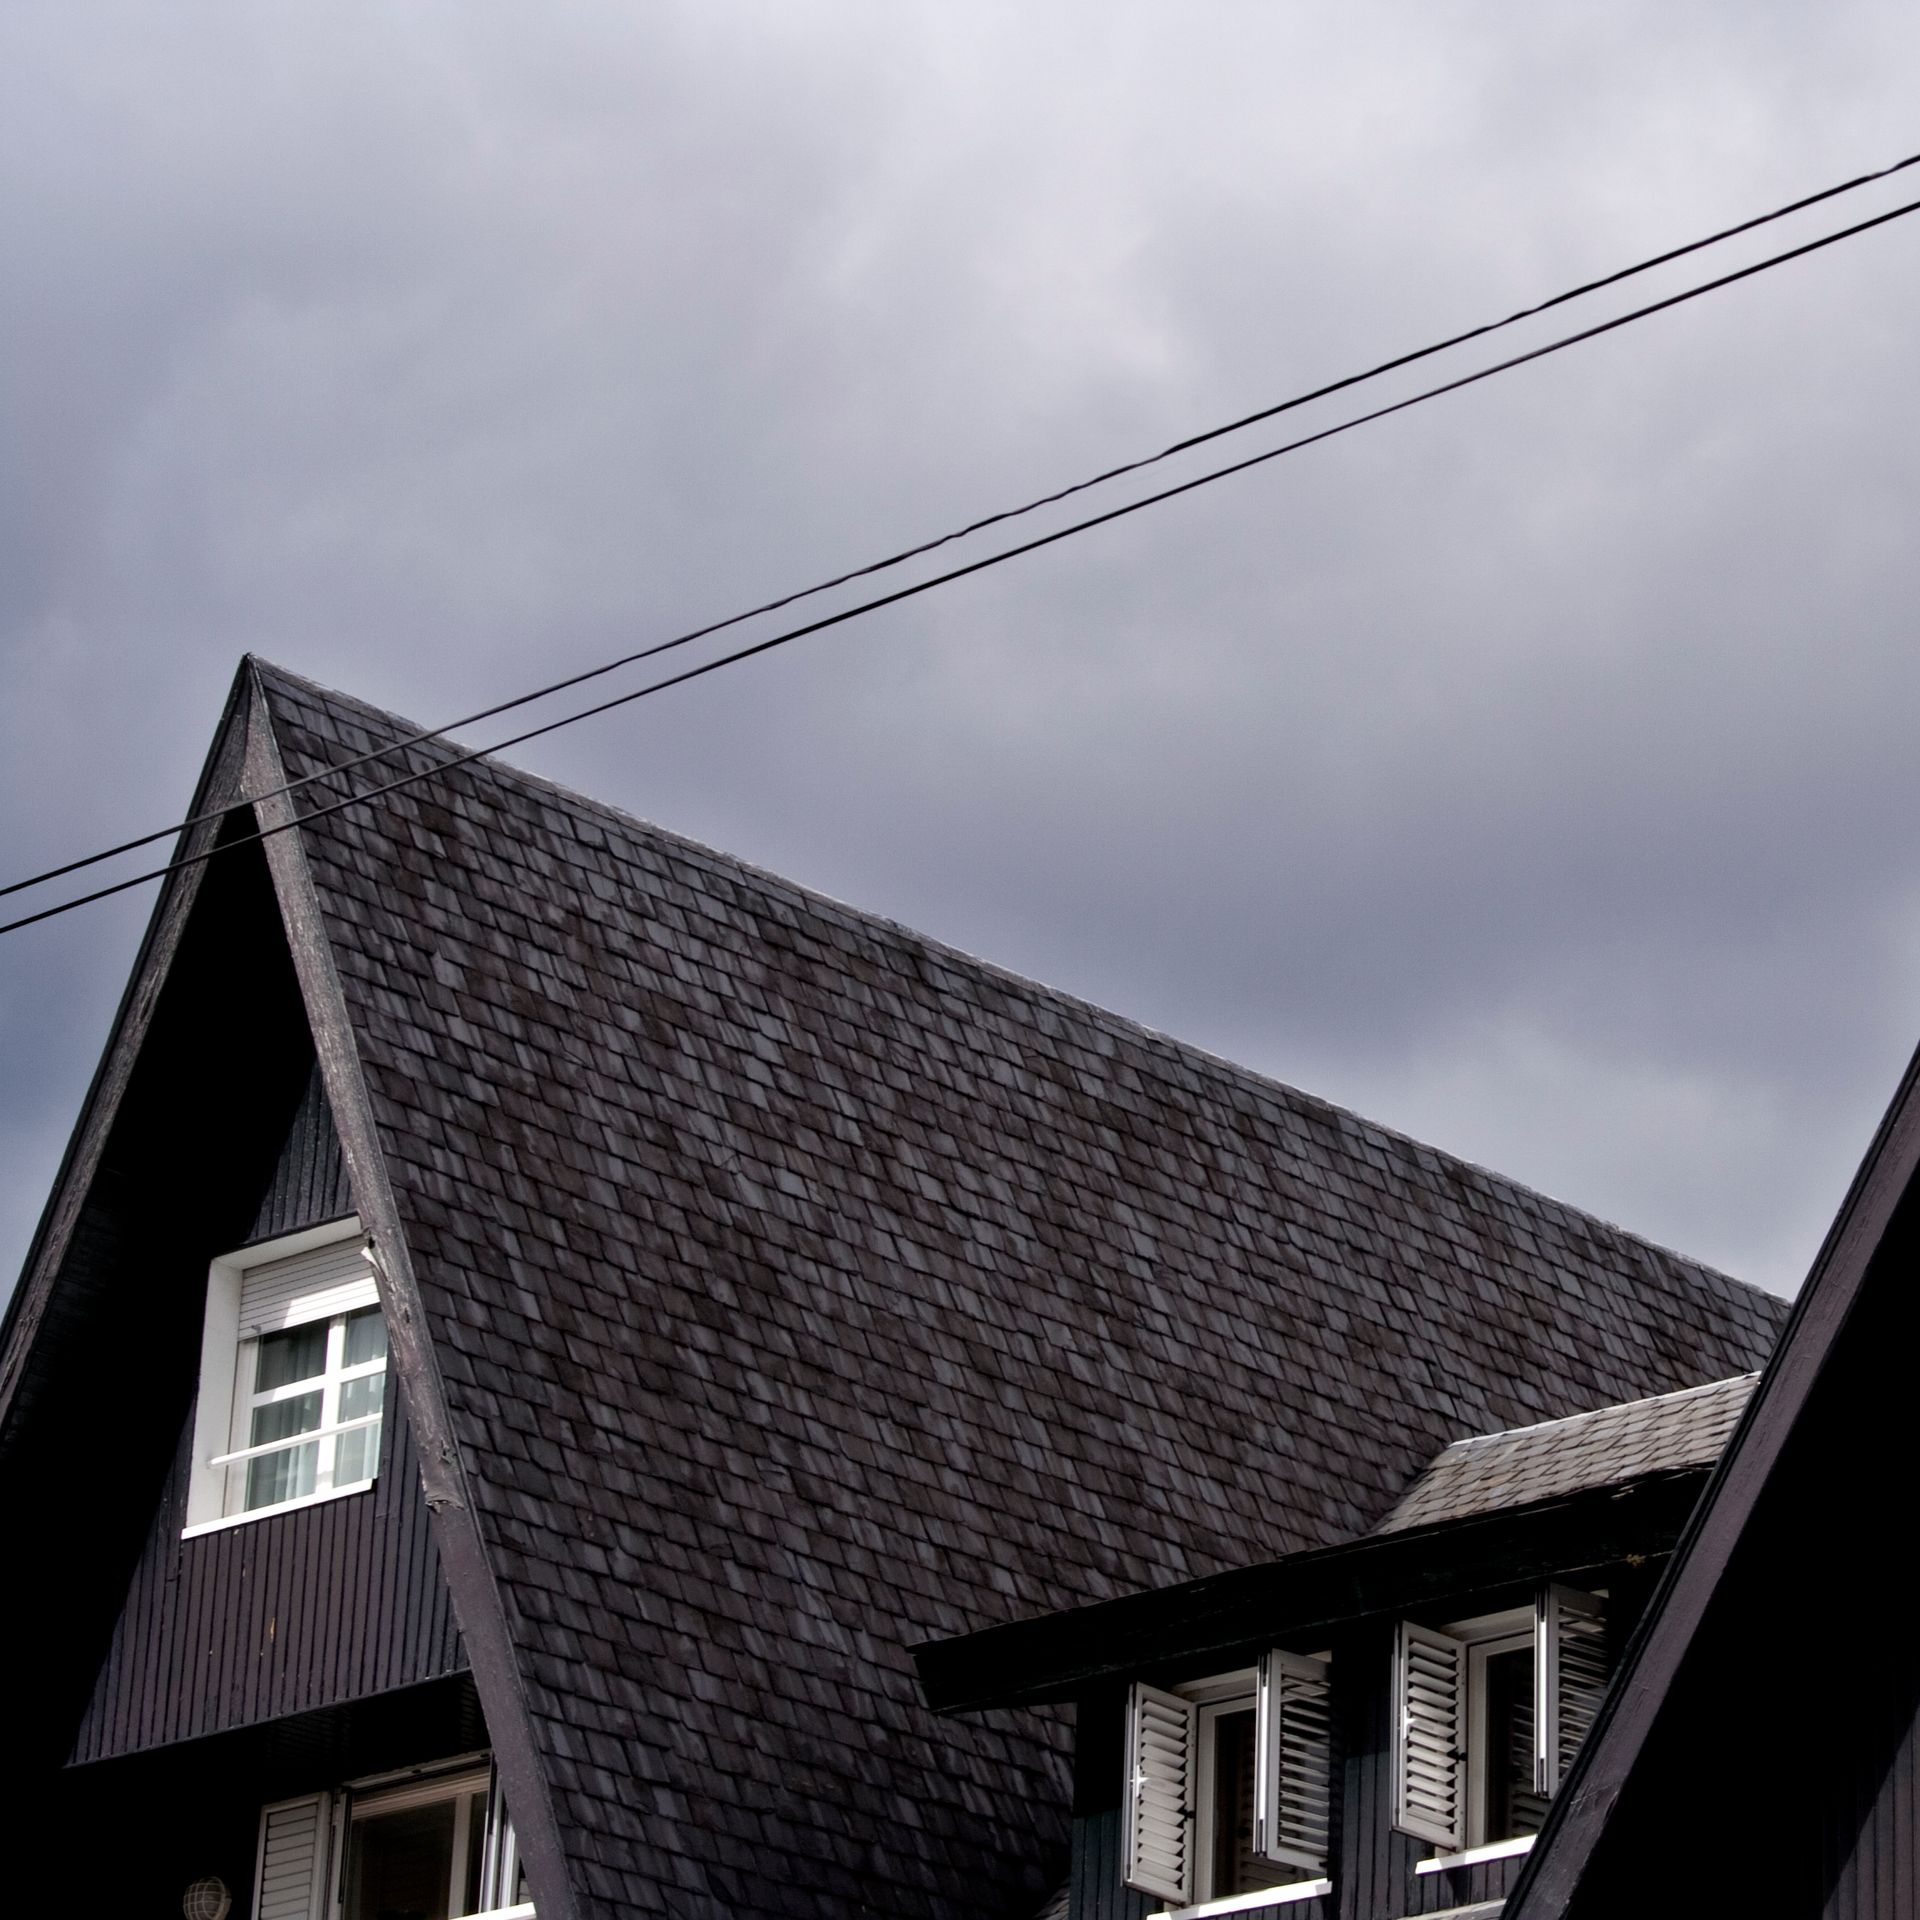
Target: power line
(960, 533)
(467, 757)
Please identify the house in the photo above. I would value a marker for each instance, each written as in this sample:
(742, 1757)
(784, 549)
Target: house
(1758, 1755)
(538, 1318)
(1372, 1729)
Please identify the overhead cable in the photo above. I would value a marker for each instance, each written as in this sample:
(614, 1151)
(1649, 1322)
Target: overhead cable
(468, 756)
(975, 526)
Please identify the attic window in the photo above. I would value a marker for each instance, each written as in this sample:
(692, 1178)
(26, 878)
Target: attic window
(293, 1373)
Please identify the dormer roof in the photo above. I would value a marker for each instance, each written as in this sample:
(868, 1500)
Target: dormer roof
(1492, 1472)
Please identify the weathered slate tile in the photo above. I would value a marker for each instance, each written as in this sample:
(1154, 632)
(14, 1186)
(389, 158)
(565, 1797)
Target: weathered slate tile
(804, 1289)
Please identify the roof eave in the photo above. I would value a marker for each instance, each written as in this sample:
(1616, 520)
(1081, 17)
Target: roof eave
(1061, 1655)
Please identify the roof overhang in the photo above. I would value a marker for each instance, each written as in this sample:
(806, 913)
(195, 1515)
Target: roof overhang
(1228, 1617)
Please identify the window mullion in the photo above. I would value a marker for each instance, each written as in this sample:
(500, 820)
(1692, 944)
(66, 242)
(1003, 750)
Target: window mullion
(330, 1402)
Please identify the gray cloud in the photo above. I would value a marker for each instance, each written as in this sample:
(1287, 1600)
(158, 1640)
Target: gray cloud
(1529, 771)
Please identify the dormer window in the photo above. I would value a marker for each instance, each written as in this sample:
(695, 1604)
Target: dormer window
(293, 1374)
(1488, 1714)
(1230, 1782)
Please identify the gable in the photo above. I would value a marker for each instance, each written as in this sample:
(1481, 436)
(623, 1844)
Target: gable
(98, 1367)
(292, 1612)
(208, 1128)
(802, 1289)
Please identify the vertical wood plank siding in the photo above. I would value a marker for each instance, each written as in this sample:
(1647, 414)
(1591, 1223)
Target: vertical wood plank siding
(282, 1615)
(309, 1183)
(1097, 1891)
(289, 1613)
(1872, 1824)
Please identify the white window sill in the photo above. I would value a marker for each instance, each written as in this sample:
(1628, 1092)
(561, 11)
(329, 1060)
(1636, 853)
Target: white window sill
(1472, 1856)
(1248, 1902)
(285, 1506)
(524, 1911)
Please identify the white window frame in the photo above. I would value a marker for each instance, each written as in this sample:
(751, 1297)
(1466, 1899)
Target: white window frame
(1508, 1632)
(222, 1415)
(1225, 1693)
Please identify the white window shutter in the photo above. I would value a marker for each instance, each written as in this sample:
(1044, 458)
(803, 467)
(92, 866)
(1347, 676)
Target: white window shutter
(1157, 1814)
(1570, 1676)
(1429, 1736)
(1293, 1761)
(296, 1846)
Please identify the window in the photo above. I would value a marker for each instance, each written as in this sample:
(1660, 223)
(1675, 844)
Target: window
(433, 1845)
(293, 1376)
(1229, 1782)
(1488, 1714)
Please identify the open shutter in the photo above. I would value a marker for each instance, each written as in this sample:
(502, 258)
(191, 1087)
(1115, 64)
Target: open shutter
(1570, 1676)
(296, 1839)
(1158, 1809)
(1429, 1736)
(1293, 1761)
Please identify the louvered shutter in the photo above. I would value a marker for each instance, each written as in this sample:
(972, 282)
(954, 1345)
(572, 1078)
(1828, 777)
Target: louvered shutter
(314, 1285)
(1157, 1841)
(1570, 1676)
(295, 1851)
(1429, 1735)
(1293, 1761)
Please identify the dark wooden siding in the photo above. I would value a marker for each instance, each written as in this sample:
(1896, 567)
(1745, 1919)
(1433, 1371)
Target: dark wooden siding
(1098, 1892)
(176, 1813)
(289, 1613)
(1876, 1862)
(279, 1616)
(309, 1183)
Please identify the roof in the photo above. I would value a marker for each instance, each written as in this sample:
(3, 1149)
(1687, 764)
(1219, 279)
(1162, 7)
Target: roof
(802, 1288)
(776, 1288)
(1491, 1471)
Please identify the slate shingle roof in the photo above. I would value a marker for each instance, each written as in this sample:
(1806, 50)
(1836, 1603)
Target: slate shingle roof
(1493, 1471)
(805, 1289)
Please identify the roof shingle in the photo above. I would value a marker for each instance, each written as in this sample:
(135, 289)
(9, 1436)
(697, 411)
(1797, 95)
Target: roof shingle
(804, 1289)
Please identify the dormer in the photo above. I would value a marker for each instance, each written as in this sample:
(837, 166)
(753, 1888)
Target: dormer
(1377, 1726)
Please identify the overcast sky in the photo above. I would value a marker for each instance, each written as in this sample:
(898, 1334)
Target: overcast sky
(1533, 771)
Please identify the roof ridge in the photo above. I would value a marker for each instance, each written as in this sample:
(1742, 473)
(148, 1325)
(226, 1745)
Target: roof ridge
(1220, 1065)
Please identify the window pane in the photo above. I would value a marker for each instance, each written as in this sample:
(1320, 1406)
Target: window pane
(1512, 1806)
(297, 1354)
(274, 1477)
(358, 1453)
(400, 1865)
(1236, 1867)
(282, 1419)
(366, 1336)
(476, 1853)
